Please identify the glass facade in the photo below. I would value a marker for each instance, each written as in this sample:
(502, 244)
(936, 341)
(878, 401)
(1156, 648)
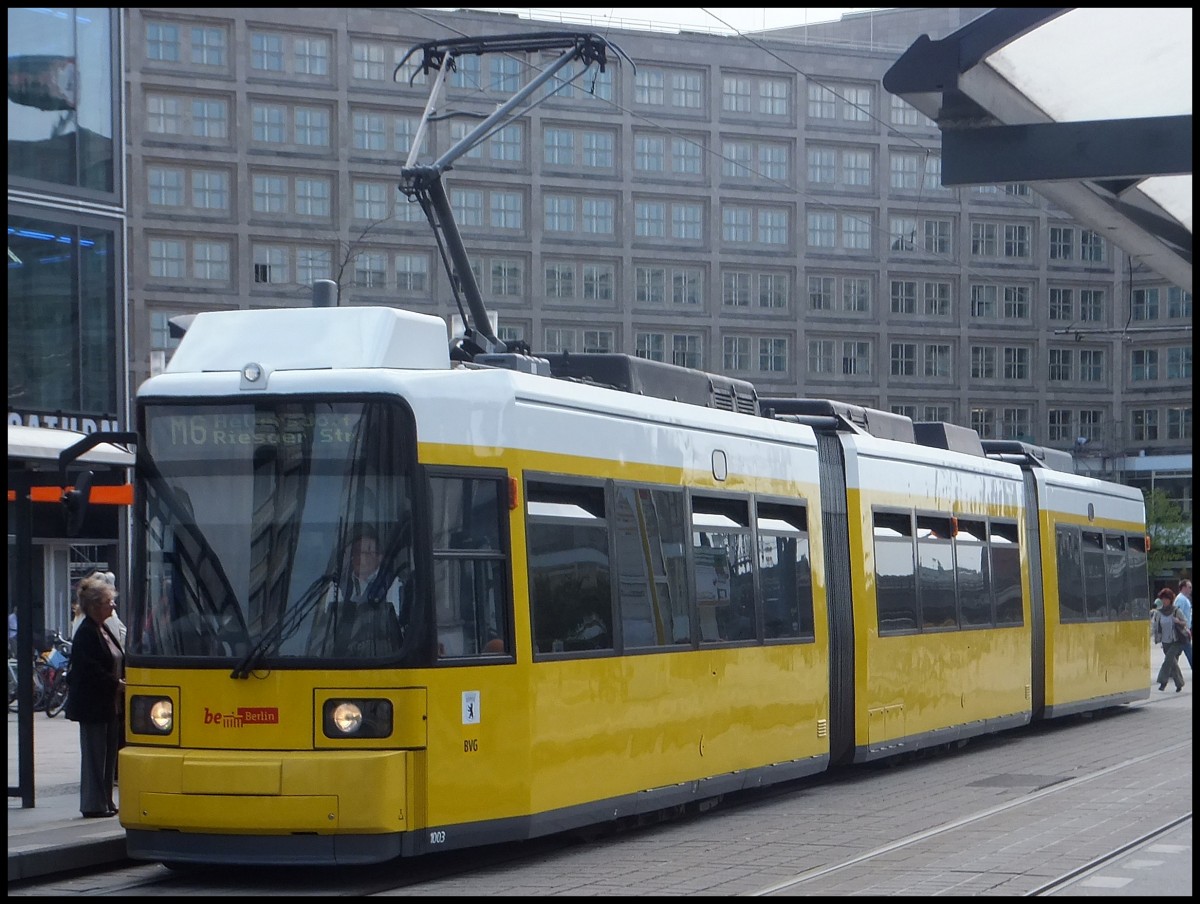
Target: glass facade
(66, 341)
(61, 118)
(63, 345)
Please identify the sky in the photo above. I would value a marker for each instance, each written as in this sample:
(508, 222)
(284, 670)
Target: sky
(727, 20)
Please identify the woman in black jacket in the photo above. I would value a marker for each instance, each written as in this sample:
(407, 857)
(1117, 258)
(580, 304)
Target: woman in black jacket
(96, 697)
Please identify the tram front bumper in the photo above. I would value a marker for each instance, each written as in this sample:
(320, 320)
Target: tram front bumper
(265, 792)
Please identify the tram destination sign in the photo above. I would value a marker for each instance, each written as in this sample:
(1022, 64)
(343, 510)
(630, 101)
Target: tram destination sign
(244, 432)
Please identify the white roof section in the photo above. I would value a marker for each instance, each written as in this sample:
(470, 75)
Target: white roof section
(45, 444)
(1091, 107)
(1121, 63)
(312, 339)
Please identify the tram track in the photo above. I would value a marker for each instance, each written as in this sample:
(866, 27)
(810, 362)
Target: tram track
(924, 846)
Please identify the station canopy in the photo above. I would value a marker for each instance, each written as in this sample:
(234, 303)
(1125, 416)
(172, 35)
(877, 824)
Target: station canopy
(1090, 107)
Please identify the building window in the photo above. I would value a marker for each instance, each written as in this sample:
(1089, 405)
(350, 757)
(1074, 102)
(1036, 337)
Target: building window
(266, 52)
(1091, 246)
(1062, 305)
(162, 42)
(687, 350)
(736, 355)
(904, 359)
(164, 186)
(820, 356)
(1179, 363)
(1062, 243)
(210, 261)
(1016, 423)
(1058, 421)
(312, 127)
(209, 46)
(598, 282)
(1016, 302)
(1016, 364)
(1145, 304)
(1059, 365)
(1091, 365)
(983, 362)
(937, 299)
(821, 292)
(313, 264)
(268, 123)
(650, 346)
(938, 360)
(370, 270)
(367, 62)
(856, 294)
(210, 119)
(1144, 365)
(166, 258)
(1091, 305)
(412, 273)
(270, 265)
(311, 56)
(984, 301)
(1143, 424)
(983, 422)
(856, 358)
(269, 194)
(313, 197)
(1179, 423)
(1179, 303)
(370, 201)
(773, 354)
(904, 296)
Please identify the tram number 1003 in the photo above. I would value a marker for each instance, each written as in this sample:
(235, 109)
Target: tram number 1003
(437, 837)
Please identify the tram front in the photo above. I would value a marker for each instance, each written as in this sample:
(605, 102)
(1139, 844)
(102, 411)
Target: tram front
(279, 613)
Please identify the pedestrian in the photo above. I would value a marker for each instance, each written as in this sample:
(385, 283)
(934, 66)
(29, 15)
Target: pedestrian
(97, 697)
(1183, 602)
(1168, 629)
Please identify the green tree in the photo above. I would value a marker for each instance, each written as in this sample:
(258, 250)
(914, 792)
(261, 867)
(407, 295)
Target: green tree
(1168, 529)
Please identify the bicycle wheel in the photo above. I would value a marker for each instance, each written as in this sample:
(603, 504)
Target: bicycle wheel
(56, 700)
(39, 686)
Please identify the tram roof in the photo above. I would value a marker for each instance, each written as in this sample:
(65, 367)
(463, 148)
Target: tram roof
(42, 446)
(1091, 107)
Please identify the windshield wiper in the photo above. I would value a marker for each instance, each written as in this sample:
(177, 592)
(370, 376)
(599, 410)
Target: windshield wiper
(283, 627)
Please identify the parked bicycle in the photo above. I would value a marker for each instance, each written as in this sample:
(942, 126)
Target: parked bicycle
(59, 662)
(39, 685)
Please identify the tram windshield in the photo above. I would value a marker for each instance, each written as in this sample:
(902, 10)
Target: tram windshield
(276, 530)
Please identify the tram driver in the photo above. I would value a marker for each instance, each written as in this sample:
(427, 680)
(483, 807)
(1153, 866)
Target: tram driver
(363, 613)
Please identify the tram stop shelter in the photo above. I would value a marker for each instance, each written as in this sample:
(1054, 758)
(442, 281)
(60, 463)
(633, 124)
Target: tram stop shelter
(59, 482)
(1090, 107)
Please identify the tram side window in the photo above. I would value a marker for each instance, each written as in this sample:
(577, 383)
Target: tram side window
(723, 559)
(1006, 572)
(935, 572)
(1069, 560)
(649, 532)
(1138, 576)
(895, 573)
(469, 566)
(785, 571)
(570, 587)
(1114, 565)
(973, 573)
(1095, 590)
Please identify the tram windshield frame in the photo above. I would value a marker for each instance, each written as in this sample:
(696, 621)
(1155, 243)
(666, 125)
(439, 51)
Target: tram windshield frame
(250, 519)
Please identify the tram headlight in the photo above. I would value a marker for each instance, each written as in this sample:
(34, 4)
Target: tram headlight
(151, 715)
(358, 718)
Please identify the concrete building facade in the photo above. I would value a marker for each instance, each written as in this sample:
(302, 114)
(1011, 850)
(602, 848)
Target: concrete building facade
(756, 205)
